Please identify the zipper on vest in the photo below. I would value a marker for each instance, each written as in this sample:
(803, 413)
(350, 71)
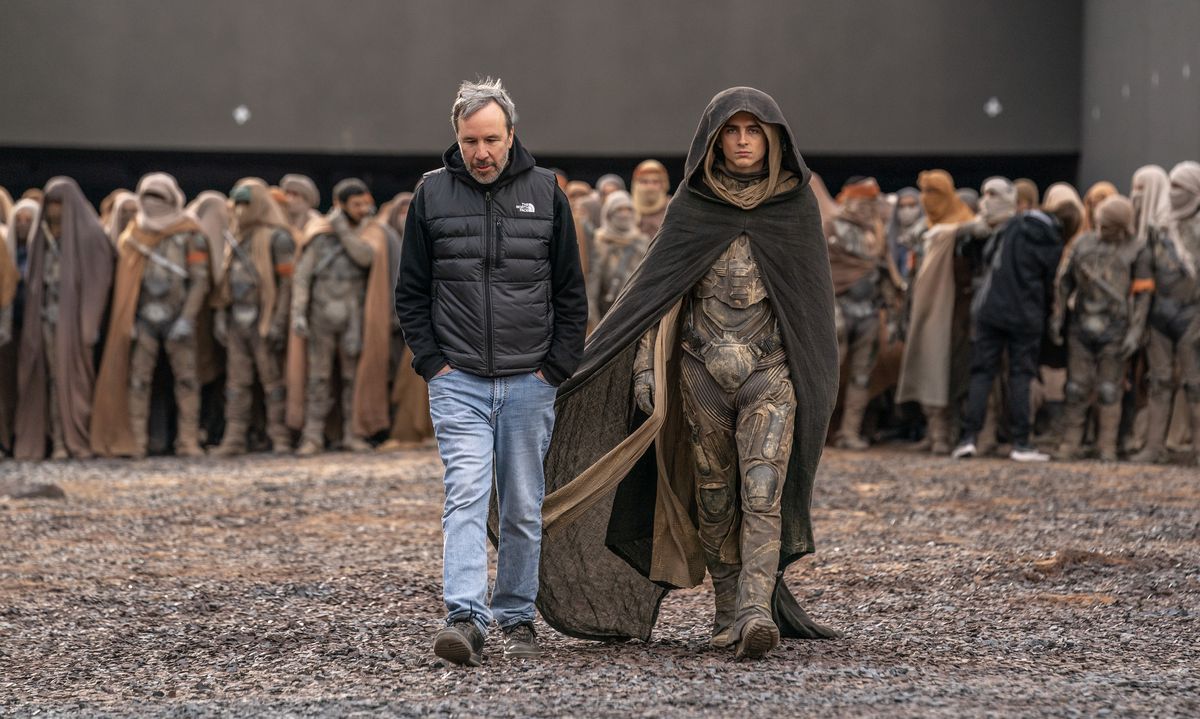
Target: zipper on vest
(489, 340)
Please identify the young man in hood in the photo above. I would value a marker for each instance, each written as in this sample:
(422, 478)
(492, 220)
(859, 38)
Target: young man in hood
(726, 336)
(492, 301)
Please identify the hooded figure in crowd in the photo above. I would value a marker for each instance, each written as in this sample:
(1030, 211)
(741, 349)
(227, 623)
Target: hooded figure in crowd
(123, 205)
(905, 216)
(864, 285)
(617, 250)
(651, 193)
(1107, 285)
(161, 286)
(251, 321)
(394, 212)
(940, 317)
(12, 311)
(1174, 243)
(69, 276)
(608, 184)
(300, 200)
(343, 317)
(1027, 194)
(1096, 194)
(726, 332)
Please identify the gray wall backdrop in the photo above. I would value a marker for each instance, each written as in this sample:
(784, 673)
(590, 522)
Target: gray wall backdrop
(1141, 87)
(621, 77)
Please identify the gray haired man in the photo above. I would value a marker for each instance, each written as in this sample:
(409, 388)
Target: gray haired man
(492, 301)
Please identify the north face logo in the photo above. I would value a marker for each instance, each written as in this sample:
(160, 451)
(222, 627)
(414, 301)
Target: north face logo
(525, 207)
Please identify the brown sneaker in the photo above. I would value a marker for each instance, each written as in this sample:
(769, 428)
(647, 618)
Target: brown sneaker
(520, 642)
(460, 642)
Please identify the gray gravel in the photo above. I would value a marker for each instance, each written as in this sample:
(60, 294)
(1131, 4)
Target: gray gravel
(281, 587)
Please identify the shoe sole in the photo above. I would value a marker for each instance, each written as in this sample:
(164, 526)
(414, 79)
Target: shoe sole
(758, 640)
(455, 649)
(523, 653)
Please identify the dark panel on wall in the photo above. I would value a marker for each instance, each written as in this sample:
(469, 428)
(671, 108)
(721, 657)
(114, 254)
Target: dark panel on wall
(625, 77)
(1141, 91)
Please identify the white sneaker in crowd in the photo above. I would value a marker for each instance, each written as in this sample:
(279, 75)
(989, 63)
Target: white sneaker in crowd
(1028, 454)
(964, 450)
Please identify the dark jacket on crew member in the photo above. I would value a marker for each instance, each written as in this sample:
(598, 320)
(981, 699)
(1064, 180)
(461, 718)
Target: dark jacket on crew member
(490, 281)
(1021, 259)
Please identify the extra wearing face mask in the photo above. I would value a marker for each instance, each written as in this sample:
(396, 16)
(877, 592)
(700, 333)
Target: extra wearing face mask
(908, 214)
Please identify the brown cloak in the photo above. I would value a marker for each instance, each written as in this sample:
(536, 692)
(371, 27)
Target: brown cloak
(371, 413)
(86, 269)
(926, 367)
(111, 432)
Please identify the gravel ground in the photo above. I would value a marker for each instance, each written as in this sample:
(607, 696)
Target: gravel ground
(281, 587)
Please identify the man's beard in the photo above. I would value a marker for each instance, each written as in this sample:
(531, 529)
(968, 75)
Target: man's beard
(489, 175)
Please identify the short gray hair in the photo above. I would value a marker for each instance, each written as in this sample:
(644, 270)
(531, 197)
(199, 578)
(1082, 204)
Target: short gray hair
(474, 96)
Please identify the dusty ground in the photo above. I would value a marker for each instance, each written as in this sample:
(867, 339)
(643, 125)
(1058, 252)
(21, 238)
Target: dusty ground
(280, 587)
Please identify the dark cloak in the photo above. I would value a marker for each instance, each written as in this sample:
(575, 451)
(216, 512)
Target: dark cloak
(596, 557)
(86, 263)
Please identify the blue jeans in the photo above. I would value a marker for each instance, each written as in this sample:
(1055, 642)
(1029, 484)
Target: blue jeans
(489, 426)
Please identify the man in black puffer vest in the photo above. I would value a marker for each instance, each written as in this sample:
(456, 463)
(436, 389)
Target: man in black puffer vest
(491, 298)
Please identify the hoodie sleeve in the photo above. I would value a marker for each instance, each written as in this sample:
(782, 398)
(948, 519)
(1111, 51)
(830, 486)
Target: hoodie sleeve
(414, 305)
(570, 297)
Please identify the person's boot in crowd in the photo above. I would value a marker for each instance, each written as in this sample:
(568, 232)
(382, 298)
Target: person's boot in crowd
(1158, 413)
(853, 408)
(237, 411)
(1109, 422)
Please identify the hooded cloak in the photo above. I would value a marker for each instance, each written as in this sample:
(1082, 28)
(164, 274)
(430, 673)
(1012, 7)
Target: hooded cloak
(1027, 192)
(371, 410)
(651, 210)
(85, 277)
(1155, 204)
(160, 214)
(1185, 204)
(619, 514)
(928, 353)
(112, 221)
(9, 352)
(6, 205)
(895, 228)
(1096, 194)
(211, 212)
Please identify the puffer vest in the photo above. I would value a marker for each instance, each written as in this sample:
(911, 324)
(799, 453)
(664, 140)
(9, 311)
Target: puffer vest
(493, 313)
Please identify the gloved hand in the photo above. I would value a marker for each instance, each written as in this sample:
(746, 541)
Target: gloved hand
(643, 390)
(1056, 323)
(182, 329)
(276, 336)
(300, 326)
(338, 220)
(220, 328)
(1131, 343)
(893, 333)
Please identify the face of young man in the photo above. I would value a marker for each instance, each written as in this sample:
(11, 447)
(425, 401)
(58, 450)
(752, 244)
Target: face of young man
(484, 140)
(358, 207)
(744, 144)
